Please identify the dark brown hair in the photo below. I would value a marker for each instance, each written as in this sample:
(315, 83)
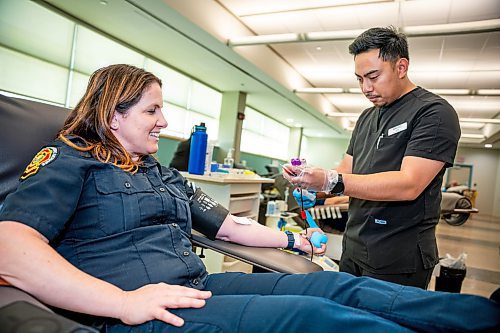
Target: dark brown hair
(391, 43)
(113, 88)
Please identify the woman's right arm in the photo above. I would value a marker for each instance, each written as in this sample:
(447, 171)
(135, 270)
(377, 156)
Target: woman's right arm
(28, 262)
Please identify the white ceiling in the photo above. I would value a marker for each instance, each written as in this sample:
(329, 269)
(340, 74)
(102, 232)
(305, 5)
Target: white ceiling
(461, 61)
(270, 73)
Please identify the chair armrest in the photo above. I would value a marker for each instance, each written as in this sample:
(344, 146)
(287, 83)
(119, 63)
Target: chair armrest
(11, 294)
(268, 259)
(21, 312)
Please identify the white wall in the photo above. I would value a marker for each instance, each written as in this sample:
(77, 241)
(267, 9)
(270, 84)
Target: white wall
(485, 174)
(327, 153)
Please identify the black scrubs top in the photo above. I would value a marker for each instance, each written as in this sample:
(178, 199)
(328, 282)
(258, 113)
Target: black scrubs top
(127, 229)
(388, 236)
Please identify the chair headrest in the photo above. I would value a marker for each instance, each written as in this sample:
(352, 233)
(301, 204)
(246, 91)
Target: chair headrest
(26, 127)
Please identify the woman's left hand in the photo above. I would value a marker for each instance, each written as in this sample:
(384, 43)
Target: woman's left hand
(305, 244)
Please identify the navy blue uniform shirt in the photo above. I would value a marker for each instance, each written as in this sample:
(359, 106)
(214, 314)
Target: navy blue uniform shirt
(127, 229)
(387, 236)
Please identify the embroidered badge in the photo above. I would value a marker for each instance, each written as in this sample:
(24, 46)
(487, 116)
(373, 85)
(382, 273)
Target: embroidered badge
(42, 158)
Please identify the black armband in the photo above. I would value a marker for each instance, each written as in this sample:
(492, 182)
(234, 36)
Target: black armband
(207, 214)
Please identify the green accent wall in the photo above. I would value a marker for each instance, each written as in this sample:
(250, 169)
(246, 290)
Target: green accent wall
(254, 162)
(166, 150)
(258, 163)
(168, 146)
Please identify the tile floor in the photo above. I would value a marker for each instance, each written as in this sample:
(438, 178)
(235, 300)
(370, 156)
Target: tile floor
(479, 237)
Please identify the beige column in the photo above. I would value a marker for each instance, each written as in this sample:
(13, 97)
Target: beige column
(231, 123)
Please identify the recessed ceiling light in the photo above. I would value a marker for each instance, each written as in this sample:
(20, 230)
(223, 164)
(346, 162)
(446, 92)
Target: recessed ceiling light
(488, 92)
(472, 136)
(289, 120)
(318, 48)
(488, 145)
(343, 114)
(264, 39)
(450, 91)
(298, 125)
(318, 90)
(103, 2)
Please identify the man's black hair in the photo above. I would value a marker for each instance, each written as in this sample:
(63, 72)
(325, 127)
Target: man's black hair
(392, 44)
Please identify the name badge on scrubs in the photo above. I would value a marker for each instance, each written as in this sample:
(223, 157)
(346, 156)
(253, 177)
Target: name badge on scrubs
(397, 129)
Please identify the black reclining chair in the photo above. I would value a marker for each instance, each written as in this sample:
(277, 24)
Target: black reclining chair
(27, 125)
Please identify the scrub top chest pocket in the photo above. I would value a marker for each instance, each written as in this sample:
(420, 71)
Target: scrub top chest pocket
(389, 151)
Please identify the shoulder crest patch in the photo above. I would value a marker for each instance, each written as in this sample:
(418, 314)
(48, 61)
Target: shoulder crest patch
(42, 158)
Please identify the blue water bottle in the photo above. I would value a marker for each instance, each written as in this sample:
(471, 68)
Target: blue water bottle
(198, 150)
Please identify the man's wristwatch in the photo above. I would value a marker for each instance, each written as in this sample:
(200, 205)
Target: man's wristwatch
(293, 240)
(338, 189)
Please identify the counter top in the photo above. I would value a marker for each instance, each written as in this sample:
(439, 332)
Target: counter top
(229, 178)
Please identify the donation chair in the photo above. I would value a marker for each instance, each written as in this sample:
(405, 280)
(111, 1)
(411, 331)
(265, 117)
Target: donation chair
(25, 127)
(456, 207)
(29, 125)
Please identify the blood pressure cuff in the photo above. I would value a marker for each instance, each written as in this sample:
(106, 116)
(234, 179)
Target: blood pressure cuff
(207, 214)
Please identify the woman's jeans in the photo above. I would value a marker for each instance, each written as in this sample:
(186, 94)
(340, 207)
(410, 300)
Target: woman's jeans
(326, 302)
